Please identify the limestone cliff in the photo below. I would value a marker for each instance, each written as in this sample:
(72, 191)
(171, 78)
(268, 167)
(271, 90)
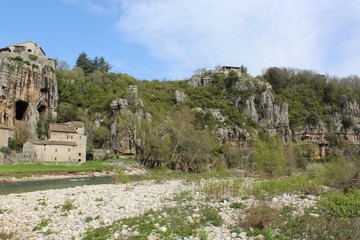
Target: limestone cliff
(128, 113)
(28, 87)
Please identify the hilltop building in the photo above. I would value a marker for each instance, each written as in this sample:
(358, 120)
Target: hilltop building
(66, 143)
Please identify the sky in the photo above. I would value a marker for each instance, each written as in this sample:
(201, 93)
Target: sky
(170, 39)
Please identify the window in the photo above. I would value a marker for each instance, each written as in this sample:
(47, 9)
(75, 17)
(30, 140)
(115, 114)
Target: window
(55, 149)
(68, 149)
(44, 149)
(80, 137)
(79, 154)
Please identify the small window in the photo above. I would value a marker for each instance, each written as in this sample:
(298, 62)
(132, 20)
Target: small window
(68, 149)
(55, 149)
(45, 149)
(79, 154)
(80, 137)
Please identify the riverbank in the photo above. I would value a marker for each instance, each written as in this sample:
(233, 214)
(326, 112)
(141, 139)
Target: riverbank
(210, 208)
(37, 172)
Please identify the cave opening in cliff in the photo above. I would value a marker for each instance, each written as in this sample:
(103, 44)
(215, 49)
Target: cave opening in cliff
(20, 110)
(44, 90)
(41, 109)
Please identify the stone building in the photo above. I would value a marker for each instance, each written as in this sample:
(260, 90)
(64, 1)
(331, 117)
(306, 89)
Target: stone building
(5, 134)
(227, 69)
(28, 86)
(66, 143)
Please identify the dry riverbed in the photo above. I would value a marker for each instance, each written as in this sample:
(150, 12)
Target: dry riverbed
(69, 213)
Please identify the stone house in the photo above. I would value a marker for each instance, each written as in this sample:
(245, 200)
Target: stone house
(27, 47)
(227, 69)
(66, 143)
(5, 134)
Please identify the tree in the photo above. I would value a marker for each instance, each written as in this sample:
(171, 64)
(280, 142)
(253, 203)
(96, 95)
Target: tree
(270, 158)
(99, 64)
(313, 119)
(67, 112)
(22, 134)
(85, 63)
(101, 136)
(231, 79)
(243, 69)
(62, 65)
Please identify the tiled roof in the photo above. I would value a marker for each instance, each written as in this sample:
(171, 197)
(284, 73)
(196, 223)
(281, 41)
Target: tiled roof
(62, 128)
(53, 142)
(76, 124)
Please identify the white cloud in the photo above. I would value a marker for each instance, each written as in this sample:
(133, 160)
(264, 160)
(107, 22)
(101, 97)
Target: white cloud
(193, 34)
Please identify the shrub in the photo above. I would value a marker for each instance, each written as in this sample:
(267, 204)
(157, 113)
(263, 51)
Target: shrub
(270, 158)
(315, 170)
(341, 173)
(261, 216)
(341, 204)
(68, 205)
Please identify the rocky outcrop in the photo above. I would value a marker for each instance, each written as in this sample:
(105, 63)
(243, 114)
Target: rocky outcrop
(200, 81)
(28, 88)
(250, 108)
(216, 114)
(131, 109)
(180, 97)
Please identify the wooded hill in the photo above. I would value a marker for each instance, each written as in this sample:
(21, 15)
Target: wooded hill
(285, 117)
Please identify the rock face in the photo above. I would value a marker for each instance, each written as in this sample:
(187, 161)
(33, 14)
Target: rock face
(180, 97)
(251, 108)
(28, 86)
(200, 81)
(131, 109)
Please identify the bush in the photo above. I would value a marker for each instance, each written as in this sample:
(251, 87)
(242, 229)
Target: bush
(261, 216)
(341, 173)
(270, 157)
(341, 204)
(315, 170)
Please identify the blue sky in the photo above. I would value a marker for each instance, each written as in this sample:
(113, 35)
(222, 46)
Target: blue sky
(169, 39)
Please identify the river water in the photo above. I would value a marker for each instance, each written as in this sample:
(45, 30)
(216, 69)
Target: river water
(20, 187)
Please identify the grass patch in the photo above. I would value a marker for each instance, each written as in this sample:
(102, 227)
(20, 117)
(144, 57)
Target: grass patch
(68, 205)
(2, 211)
(43, 223)
(219, 188)
(178, 222)
(294, 184)
(27, 170)
(237, 205)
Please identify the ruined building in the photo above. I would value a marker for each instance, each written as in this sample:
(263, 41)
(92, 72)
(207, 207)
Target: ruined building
(28, 87)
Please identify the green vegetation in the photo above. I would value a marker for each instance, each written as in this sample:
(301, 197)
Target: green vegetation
(274, 187)
(168, 223)
(68, 205)
(33, 56)
(25, 170)
(219, 188)
(43, 223)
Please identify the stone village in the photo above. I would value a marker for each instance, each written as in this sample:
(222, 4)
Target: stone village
(29, 90)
